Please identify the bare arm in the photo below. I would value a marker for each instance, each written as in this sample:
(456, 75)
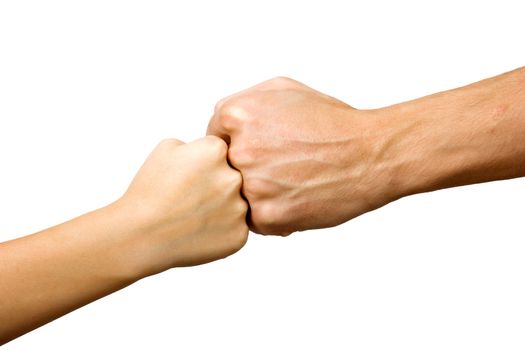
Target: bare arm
(48, 274)
(463, 136)
(309, 160)
(183, 208)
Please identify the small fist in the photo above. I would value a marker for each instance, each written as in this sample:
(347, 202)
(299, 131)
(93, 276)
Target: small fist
(188, 200)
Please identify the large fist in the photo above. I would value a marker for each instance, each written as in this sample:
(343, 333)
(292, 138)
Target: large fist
(186, 200)
(308, 160)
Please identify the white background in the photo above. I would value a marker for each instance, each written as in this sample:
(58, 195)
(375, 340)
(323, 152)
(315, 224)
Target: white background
(87, 88)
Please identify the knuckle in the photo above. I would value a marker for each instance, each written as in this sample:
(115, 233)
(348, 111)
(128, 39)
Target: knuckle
(240, 235)
(233, 112)
(281, 79)
(281, 82)
(242, 207)
(236, 178)
(263, 213)
(219, 105)
(232, 179)
(168, 143)
(240, 155)
(253, 188)
(226, 185)
(217, 145)
(269, 219)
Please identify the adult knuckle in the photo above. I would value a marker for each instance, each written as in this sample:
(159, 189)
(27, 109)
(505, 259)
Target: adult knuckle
(263, 213)
(234, 111)
(240, 155)
(219, 104)
(253, 188)
(269, 218)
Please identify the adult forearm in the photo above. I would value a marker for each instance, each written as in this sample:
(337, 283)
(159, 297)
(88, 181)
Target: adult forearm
(458, 137)
(309, 160)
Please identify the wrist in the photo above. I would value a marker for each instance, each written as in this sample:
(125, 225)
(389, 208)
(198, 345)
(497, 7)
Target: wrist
(127, 240)
(373, 160)
(384, 134)
(403, 151)
(453, 138)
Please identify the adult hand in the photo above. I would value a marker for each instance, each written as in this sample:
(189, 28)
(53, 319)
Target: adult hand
(308, 160)
(188, 202)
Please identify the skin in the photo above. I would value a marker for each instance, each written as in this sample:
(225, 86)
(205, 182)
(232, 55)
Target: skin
(310, 161)
(307, 161)
(183, 208)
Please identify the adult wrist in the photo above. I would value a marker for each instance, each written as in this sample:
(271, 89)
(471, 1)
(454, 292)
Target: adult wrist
(374, 157)
(403, 151)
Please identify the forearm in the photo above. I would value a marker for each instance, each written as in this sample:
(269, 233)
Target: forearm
(310, 161)
(50, 273)
(183, 208)
(464, 136)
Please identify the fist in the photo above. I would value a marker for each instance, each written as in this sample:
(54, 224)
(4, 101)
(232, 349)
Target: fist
(187, 201)
(306, 158)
